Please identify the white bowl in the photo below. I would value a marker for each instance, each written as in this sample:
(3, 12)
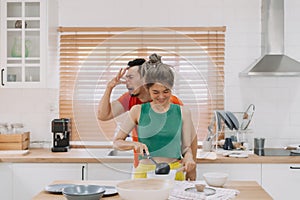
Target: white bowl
(145, 189)
(83, 192)
(170, 176)
(216, 179)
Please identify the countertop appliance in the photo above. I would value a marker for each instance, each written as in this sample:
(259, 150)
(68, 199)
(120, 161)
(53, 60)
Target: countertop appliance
(61, 129)
(275, 152)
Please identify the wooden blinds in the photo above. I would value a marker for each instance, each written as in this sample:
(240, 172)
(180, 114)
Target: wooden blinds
(90, 57)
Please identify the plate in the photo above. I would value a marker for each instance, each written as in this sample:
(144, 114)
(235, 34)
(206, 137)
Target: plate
(109, 191)
(296, 151)
(238, 155)
(233, 119)
(207, 191)
(225, 119)
(56, 188)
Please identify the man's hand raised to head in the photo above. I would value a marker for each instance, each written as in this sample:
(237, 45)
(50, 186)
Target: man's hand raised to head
(117, 79)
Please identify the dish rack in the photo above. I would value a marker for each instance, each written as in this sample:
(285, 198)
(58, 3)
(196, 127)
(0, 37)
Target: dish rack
(220, 129)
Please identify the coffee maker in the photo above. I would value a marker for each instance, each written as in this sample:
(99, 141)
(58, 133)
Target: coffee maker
(61, 129)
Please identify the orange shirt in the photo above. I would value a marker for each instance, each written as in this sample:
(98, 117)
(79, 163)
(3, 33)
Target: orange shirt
(127, 102)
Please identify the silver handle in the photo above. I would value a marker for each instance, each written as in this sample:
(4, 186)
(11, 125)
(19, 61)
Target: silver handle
(2, 83)
(82, 173)
(291, 167)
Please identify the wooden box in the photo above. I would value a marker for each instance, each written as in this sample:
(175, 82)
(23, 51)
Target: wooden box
(18, 141)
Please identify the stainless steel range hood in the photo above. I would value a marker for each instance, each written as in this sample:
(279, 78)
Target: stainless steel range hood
(273, 62)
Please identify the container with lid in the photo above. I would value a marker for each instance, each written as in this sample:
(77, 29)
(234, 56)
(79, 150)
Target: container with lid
(3, 128)
(17, 128)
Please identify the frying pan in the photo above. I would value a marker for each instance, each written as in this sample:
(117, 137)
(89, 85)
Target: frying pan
(247, 116)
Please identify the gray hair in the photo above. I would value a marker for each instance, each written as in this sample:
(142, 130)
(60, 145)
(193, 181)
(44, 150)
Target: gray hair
(162, 74)
(154, 60)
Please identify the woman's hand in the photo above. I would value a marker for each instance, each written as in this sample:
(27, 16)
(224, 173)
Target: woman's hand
(189, 166)
(140, 148)
(191, 175)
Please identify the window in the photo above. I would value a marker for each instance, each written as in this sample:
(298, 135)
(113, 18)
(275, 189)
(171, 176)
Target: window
(90, 57)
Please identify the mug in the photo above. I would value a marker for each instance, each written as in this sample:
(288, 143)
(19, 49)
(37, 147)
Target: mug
(228, 145)
(259, 143)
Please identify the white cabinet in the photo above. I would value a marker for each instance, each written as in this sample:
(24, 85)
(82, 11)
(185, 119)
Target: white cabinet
(109, 171)
(24, 43)
(281, 181)
(6, 181)
(29, 179)
(235, 171)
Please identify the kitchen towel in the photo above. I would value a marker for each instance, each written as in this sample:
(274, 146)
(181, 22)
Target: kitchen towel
(179, 192)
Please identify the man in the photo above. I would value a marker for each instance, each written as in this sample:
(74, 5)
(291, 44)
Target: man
(137, 94)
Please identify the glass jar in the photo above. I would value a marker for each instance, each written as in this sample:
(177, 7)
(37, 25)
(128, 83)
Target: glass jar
(17, 128)
(246, 138)
(3, 128)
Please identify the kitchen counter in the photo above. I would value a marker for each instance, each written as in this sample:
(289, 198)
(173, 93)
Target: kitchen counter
(248, 190)
(74, 155)
(78, 155)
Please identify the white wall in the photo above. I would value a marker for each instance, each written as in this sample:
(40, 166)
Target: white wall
(277, 100)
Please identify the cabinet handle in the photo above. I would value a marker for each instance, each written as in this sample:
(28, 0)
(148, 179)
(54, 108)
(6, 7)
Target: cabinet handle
(2, 83)
(82, 173)
(291, 167)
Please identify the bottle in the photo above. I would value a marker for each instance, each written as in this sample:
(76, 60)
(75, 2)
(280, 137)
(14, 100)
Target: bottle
(16, 50)
(27, 47)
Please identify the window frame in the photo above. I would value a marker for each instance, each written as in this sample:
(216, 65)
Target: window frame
(76, 44)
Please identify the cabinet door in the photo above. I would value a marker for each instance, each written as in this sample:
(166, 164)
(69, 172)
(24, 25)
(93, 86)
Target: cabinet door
(6, 181)
(21, 38)
(30, 179)
(109, 171)
(281, 181)
(236, 171)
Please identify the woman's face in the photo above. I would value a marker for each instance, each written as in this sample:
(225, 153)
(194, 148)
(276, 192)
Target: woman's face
(160, 94)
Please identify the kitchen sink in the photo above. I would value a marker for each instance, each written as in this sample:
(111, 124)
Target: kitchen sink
(120, 153)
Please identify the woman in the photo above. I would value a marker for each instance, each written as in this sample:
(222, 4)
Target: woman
(164, 128)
